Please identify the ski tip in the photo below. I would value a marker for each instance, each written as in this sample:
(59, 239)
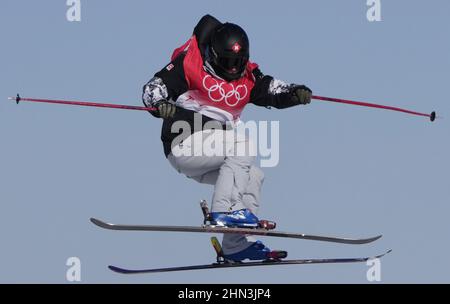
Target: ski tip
(382, 255)
(99, 223)
(118, 269)
(378, 237)
(94, 220)
(362, 241)
(375, 238)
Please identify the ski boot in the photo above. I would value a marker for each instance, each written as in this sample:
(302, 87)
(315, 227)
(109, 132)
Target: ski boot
(257, 251)
(240, 218)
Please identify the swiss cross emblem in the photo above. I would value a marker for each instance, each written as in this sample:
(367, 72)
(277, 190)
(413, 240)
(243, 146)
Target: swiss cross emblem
(236, 47)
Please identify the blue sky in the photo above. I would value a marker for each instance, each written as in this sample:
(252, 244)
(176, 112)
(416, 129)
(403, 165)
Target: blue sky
(343, 170)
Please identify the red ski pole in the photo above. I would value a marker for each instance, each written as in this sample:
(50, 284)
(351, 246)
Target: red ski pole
(82, 103)
(432, 116)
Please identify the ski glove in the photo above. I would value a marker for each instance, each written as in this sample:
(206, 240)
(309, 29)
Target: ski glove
(301, 94)
(165, 109)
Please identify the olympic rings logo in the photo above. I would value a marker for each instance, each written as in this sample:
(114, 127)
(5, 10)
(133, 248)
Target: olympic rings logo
(217, 93)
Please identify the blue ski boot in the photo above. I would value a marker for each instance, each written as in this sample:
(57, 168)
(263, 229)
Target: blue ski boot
(256, 251)
(240, 218)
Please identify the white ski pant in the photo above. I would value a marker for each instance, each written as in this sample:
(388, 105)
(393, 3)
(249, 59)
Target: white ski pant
(237, 181)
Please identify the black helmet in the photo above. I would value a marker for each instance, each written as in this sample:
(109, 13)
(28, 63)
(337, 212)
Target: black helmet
(229, 51)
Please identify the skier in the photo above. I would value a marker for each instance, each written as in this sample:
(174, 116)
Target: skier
(210, 77)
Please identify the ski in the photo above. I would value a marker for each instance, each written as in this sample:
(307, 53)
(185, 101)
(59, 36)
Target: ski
(216, 229)
(247, 264)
